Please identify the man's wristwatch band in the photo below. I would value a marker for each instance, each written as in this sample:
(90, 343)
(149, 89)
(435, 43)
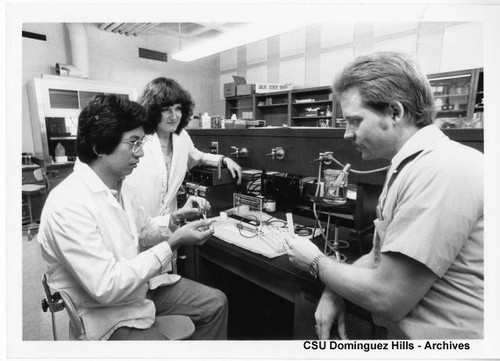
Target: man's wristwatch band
(314, 265)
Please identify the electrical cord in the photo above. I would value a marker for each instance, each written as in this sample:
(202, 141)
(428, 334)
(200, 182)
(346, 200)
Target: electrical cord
(330, 156)
(241, 226)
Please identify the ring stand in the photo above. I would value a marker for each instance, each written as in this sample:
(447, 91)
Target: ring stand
(335, 245)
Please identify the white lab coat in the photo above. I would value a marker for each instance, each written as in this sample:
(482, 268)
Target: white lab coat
(150, 179)
(90, 244)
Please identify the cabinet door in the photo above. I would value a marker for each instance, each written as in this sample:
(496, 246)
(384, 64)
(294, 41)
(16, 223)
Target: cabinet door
(273, 108)
(453, 97)
(241, 106)
(312, 107)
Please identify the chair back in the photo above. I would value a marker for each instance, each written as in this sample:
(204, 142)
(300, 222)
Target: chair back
(58, 301)
(174, 327)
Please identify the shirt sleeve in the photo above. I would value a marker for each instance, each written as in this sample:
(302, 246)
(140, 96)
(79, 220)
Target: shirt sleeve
(437, 208)
(79, 246)
(152, 230)
(197, 157)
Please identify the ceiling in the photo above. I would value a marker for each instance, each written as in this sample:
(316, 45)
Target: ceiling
(187, 31)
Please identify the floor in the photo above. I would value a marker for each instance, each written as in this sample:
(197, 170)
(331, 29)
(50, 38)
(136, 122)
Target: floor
(36, 323)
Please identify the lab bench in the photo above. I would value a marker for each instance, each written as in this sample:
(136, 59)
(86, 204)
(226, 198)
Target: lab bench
(301, 148)
(269, 298)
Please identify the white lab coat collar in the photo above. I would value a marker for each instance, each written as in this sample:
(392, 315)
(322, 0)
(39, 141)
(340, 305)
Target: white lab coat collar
(96, 185)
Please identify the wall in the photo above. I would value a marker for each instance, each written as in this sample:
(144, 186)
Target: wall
(308, 57)
(114, 58)
(311, 56)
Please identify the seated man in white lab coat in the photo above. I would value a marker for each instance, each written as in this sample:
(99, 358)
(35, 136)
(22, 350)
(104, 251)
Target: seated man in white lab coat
(92, 227)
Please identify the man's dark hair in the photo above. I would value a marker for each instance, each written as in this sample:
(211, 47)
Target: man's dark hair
(384, 77)
(161, 93)
(102, 122)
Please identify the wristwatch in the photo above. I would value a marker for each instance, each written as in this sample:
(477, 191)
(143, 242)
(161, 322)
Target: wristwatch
(314, 265)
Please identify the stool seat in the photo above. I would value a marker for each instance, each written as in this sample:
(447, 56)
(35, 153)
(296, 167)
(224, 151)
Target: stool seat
(32, 188)
(175, 327)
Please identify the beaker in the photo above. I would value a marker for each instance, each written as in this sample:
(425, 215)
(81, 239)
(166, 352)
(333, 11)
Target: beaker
(335, 186)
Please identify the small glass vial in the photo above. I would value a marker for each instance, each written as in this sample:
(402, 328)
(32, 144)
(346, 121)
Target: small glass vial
(335, 186)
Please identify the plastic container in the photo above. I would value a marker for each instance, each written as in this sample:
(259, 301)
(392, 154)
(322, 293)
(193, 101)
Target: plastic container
(60, 154)
(206, 122)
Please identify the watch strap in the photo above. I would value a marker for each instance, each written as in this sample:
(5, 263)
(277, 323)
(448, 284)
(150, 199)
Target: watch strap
(314, 265)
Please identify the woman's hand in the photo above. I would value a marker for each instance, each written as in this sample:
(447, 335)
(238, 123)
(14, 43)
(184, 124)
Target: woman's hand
(194, 233)
(301, 251)
(330, 310)
(234, 168)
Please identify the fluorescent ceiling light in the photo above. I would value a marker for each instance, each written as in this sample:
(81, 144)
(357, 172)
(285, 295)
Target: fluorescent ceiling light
(241, 36)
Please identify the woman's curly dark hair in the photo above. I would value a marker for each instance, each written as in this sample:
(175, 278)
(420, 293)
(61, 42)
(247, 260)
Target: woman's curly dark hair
(102, 123)
(161, 93)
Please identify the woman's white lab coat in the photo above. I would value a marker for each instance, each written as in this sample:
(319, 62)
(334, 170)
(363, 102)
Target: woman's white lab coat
(157, 190)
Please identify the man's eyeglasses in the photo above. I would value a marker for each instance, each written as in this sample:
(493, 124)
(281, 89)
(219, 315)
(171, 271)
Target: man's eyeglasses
(136, 145)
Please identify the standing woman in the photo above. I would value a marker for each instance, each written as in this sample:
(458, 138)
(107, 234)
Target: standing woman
(169, 151)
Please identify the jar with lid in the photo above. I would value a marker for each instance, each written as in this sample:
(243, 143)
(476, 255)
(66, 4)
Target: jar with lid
(335, 186)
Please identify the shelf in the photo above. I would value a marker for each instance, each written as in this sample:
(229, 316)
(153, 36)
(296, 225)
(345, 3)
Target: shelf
(312, 117)
(272, 105)
(245, 107)
(69, 137)
(320, 89)
(314, 102)
(238, 97)
(272, 94)
(451, 111)
(451, 95)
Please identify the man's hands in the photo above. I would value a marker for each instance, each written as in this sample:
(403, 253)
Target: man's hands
(301, 252)
(234, 168)
(194, 207)
(330, 310)
(194, 233)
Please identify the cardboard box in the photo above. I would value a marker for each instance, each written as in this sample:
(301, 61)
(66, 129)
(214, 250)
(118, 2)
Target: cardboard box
(229, 90)
(245, 89)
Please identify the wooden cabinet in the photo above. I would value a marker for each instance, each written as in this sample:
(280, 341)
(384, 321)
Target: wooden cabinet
(273, 108)
(309, 107)
(458, 94)
(458, 98)
(242, 106)
(312, 107)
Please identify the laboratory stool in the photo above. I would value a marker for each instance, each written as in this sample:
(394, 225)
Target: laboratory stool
(174, 327)
(30, 190)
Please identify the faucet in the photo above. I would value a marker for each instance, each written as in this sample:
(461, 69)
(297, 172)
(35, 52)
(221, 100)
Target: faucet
(239, 152)
(326, 158)
(277, 152)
